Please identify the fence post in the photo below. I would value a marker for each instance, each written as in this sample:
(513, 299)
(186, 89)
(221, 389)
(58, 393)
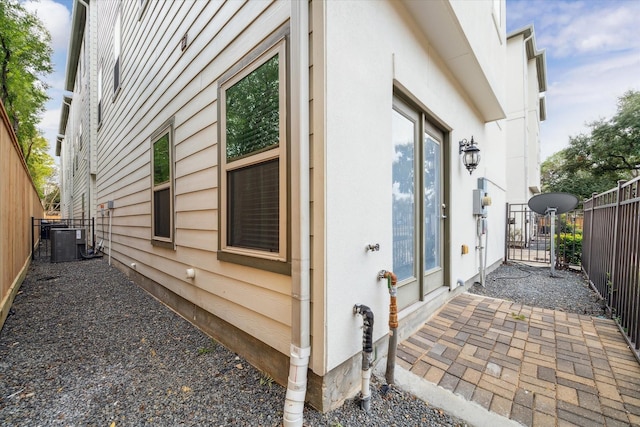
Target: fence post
(506, 235)
(33, 243)
(593, 210)
(615, 241)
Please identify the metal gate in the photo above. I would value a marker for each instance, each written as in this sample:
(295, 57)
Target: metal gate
(528, 236)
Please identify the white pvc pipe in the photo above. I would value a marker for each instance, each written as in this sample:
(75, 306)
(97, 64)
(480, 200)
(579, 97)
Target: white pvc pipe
(486, 253)
(479, 227)
(366, 380)
(300, 221)
(110, 236)
(296, 388)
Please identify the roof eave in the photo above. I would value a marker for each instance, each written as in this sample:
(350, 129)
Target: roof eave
(64, 115)
(78, 20)
(59, 139)
(528, 33)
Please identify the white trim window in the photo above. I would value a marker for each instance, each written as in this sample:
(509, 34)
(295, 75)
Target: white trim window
(142, 6)
(162, 185)
(100, 95)
(253, 158)
(80, 140)
(117, 44)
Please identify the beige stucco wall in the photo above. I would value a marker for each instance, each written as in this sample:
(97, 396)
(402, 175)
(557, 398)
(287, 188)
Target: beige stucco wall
(371, 48)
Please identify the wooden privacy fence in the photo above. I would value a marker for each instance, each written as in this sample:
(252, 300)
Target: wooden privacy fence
(19, 201)
(611, 244)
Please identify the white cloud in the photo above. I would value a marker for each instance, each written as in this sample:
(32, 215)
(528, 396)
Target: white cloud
(593, 58)
(585, 94)
(50, 120)
(568, 29)
(55, 17)
(606, 29)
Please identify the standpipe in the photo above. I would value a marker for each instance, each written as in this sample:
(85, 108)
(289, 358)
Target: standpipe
(392, 282)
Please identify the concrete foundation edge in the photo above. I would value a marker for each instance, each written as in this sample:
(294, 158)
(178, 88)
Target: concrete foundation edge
(449, 402)
(323, 392)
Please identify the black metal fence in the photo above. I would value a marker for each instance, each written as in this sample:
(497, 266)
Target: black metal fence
(611, 251)
(41, 233)
(528, 236)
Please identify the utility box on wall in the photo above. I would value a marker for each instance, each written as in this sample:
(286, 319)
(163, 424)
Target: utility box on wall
(67, 244)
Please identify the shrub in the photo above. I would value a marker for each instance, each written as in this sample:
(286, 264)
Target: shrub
(569, 247)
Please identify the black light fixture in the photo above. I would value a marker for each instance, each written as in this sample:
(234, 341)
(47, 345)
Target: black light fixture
(470, 154)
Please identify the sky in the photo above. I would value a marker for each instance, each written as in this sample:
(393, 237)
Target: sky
(56, 17)
(592, 52)
(593, 57)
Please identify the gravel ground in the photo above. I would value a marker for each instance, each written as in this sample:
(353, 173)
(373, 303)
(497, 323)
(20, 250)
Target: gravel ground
(85, 346)
(534, 286)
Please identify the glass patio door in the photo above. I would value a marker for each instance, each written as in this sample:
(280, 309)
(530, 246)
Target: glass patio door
(418, 210)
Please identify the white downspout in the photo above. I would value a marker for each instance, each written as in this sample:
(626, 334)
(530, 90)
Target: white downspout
(525, 113)
(110, 214)
(300, 227)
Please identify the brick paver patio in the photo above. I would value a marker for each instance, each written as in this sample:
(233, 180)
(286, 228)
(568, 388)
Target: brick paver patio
(537, 366)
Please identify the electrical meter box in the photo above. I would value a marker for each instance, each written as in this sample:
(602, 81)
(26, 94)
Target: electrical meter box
(67, 244)
(481, 199)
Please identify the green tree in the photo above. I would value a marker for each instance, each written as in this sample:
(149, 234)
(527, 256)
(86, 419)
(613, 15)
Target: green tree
(252, 111)
(40, 163)
(25, 58)
(595, 161)
(51, 199)
(556, 177)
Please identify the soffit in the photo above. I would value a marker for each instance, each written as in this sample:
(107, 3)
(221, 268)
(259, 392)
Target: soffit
(437, 20)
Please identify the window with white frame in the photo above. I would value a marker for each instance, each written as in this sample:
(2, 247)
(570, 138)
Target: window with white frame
(116, 53)
(100, 95)
(80, 140)
(142, 5)
(162, 184)
(253, 164)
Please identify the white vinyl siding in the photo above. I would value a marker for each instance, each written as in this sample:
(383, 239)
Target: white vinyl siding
(163, 82)
(77, 139)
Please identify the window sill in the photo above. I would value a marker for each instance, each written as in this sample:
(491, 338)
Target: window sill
(278, 267)
(162, 244)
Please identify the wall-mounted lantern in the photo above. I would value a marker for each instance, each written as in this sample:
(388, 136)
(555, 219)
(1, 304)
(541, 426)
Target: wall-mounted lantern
(470, 154)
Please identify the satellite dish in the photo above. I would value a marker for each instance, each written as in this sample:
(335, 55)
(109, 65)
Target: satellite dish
(560, 202)
(553, 204)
